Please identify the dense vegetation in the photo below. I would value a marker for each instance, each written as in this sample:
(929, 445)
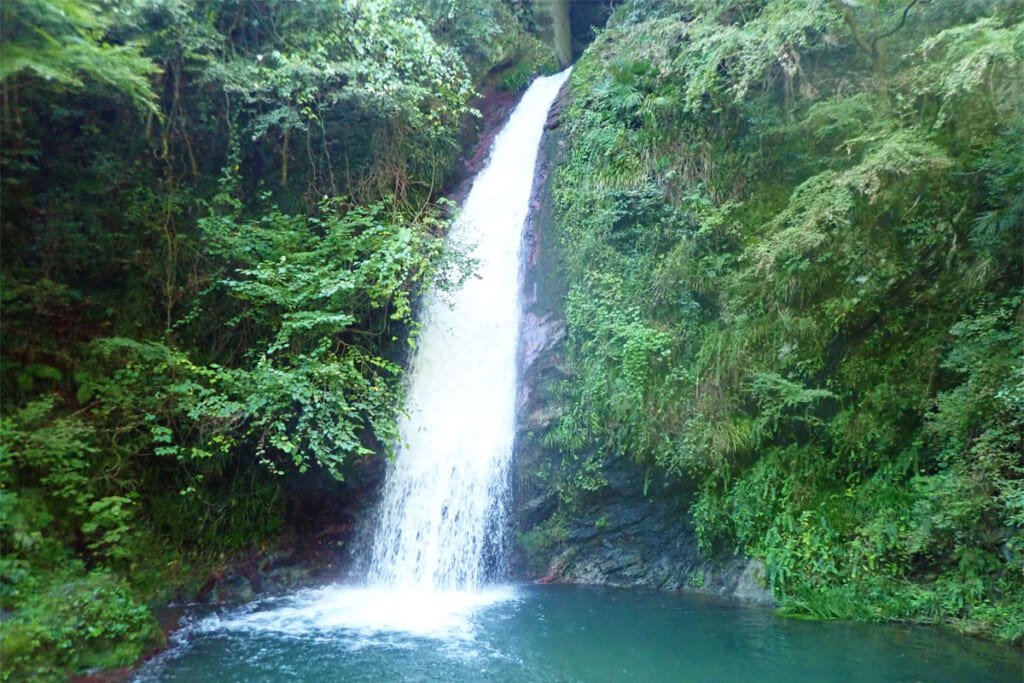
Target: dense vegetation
(793, 237)
(216, 218)
(794, 247)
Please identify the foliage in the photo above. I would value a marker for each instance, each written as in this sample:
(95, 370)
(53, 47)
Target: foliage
(541, 541)
(793, 246)
(62, 41)
(52, 493)
(208, 303)
(75, 624)
(323, 294)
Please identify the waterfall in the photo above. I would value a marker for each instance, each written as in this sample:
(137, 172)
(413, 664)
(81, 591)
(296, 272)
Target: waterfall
(562, 38)
(552, 19)
(441, 522)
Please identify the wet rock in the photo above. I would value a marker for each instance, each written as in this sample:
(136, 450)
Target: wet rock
(750, 588)
(477, 138)
(539, 508)
(538, 336)
(300, 560)
(627, 538)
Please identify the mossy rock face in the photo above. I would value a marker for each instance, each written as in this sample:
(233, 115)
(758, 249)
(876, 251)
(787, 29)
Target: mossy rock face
(532, 58)
(745, 251)
(510, 56)
(85, 623)
(517, 56)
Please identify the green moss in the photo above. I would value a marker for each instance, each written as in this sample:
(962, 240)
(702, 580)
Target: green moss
(543, 541)
(513, 56)
(527, 58)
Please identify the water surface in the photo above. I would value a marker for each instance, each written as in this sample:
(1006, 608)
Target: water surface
(557, 633)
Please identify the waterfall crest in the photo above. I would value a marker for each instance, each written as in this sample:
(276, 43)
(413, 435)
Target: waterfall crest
(441, 523)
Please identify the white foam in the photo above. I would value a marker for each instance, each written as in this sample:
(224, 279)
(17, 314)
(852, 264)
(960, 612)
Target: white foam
(441, 520)
(367, 613)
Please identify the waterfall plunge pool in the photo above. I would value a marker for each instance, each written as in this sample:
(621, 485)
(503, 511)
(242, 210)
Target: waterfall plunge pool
(555, 633)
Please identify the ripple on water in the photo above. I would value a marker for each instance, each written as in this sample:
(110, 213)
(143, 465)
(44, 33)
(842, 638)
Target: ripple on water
(556, 633)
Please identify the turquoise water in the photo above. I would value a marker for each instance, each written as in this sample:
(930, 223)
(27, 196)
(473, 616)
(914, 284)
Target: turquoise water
(557, 633)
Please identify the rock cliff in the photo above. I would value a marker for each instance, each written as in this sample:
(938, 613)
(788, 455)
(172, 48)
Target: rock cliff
(632, 529)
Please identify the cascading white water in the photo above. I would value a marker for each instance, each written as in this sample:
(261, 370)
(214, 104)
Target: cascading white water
(441, 519)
